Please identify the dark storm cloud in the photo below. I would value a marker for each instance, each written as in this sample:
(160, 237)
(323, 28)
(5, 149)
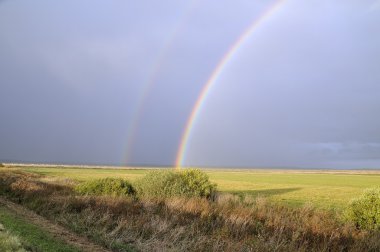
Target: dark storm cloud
(302, 92)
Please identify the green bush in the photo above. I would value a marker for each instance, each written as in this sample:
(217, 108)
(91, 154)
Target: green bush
(364, 211)
(106, 186)
(167, 183)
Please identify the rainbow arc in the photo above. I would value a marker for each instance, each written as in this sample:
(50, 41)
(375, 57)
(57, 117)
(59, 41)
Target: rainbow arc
(231, 52)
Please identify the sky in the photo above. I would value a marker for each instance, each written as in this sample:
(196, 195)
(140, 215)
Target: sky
(115, 82)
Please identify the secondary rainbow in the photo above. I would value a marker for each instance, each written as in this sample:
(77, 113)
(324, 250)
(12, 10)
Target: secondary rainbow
(153, 76)
(214, 77)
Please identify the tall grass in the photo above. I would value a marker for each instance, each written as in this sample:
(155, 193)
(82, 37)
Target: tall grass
(225, 223)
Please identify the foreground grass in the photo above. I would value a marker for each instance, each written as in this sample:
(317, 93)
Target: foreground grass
(329, 190)
(33, 238)
(9, 242)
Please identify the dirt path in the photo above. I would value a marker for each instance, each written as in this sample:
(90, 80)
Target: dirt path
(55, 230)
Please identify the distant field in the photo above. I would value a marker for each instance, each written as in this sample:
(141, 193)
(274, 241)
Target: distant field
(325, 189)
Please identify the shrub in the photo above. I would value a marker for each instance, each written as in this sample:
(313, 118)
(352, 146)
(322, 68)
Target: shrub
(106, 186)
(167, 183)
(364, 211)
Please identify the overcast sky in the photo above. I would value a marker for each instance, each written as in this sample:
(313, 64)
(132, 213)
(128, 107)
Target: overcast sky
(114, 82)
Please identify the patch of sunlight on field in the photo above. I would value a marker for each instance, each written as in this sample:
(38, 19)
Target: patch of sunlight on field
(322, 190)
(325, 189)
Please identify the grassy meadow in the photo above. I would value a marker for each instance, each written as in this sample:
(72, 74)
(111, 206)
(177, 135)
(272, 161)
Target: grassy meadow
(322, 188)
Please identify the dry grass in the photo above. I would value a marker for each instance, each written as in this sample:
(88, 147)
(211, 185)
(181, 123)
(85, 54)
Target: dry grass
(227, 223)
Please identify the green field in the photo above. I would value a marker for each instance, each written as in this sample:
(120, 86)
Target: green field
(325, 189)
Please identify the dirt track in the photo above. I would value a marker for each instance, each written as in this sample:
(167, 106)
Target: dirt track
(54, 229)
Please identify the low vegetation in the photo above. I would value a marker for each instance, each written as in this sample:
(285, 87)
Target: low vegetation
(169, 183)
(106, 186)
(364, 211)
(9, 242)
(183, 223)
(30, 237)
(330, 189)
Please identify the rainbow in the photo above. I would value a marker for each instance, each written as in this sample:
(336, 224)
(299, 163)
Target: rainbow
(214, 77)
(153, 76)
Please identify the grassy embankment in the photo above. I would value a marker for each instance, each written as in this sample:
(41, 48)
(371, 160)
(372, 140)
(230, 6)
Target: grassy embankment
(323, 189)
(22, 235)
